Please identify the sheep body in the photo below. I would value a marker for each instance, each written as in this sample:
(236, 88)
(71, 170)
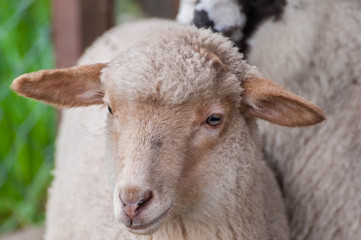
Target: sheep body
(314, 49)
(322, 182)
(207, 181)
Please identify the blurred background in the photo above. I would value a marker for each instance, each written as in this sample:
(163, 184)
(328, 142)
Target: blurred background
(43, 34)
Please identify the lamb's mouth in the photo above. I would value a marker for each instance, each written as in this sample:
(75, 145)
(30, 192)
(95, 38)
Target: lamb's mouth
(150, 226)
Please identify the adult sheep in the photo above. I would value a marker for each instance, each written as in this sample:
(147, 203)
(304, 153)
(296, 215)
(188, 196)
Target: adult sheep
(314, 48)
(180, 147)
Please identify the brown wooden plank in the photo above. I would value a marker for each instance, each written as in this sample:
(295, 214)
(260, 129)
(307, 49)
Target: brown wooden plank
(76, 24)
(97, 17)
(160, 8)
(66, 32)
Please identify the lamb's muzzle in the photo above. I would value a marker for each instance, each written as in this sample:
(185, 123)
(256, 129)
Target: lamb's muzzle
(135, 210)
(134, 201)
(135, 205)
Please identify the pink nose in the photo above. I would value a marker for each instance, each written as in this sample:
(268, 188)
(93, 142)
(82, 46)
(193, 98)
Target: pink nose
(134, 200)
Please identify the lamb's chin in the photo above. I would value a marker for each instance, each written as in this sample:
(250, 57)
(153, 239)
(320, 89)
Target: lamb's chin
(147, 228)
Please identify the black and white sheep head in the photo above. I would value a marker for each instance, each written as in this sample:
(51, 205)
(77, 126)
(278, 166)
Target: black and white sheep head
(236, 19)
(176, 100)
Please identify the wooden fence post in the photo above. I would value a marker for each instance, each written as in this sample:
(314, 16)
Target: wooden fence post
(160, 8)
(76, 24)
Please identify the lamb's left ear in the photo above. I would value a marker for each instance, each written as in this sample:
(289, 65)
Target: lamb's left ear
(68, 87)
(269, 101)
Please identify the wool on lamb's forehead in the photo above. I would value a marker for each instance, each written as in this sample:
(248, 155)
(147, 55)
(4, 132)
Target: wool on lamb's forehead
(181, 65)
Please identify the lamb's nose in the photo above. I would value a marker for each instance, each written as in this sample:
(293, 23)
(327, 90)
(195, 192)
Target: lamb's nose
(134, 200)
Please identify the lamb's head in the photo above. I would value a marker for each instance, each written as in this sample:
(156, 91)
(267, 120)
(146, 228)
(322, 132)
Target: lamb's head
(182, 105)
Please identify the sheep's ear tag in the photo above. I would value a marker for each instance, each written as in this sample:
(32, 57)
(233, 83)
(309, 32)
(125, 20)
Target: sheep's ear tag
(68, 87)
(269, 101)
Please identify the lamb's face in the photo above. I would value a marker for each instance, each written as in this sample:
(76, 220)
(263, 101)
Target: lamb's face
(172, 105)
(163, 125)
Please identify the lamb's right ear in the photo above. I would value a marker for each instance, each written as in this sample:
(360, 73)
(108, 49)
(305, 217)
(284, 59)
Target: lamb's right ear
(269, 101)
(68, 87)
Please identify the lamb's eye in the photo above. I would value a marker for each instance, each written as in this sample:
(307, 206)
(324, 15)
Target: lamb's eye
(110, 110)
(214, 119)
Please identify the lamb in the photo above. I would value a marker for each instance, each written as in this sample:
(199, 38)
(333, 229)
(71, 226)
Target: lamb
(314, 48)
(179, 157)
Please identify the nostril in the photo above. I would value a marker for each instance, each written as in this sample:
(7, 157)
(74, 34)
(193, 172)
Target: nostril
(146, 197)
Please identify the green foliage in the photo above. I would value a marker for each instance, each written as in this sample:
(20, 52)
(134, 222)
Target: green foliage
(27, 128)
(127, 10)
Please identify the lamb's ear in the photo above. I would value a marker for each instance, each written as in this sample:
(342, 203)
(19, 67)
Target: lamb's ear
(269, 101)
(68, 87)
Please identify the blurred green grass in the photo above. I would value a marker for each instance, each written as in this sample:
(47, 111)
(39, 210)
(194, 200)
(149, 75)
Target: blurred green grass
(27, 128)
